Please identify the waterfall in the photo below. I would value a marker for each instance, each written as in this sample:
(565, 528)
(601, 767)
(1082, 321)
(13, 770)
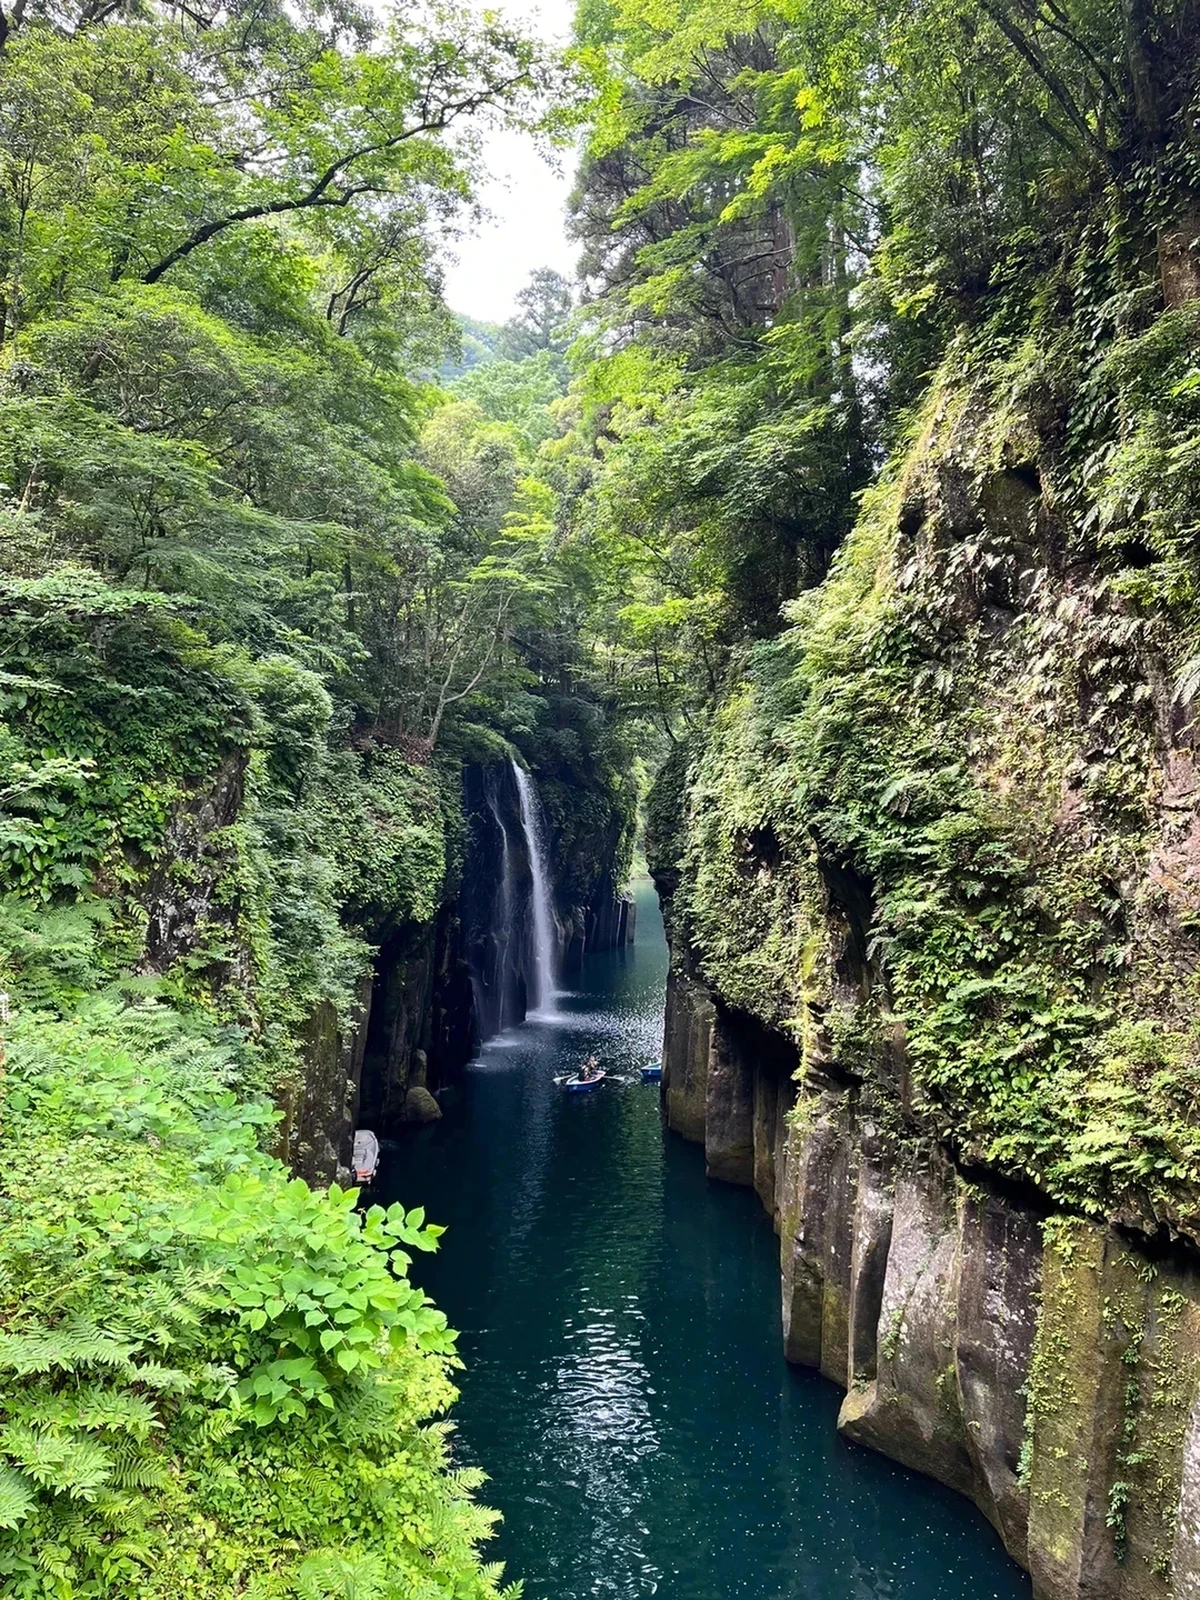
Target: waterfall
(502, 977)
(543, 921)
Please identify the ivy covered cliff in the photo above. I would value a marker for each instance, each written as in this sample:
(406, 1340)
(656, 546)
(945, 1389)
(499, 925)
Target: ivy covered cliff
(900, 432)
(933, 915)
(853, 488)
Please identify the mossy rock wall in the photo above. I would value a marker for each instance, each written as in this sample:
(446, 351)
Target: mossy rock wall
(932, 883)
(1046, 1367)
(942, 832)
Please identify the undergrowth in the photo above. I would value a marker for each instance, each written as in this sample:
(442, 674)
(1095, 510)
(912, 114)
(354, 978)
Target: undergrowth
(213, 1379)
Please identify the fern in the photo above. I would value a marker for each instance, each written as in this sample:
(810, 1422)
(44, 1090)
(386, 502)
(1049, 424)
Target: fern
(155, 1376)
(125, 1453)
(113, 1410)
(136, 1468)
(17, 1498)
(330, 1576)
(61, 1463)
(94, 1405)
(70, 1347)
(90, 1525)
(1187, 684)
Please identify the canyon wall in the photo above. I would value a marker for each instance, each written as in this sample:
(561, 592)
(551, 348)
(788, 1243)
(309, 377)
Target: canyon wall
(932, 883)
(1047, 1367)
(442, 985)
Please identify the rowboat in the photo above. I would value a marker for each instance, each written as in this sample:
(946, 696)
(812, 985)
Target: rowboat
(584, 1085)
(652, 1073)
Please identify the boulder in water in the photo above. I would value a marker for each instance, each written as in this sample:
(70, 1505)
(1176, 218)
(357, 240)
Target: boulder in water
(420, 1106)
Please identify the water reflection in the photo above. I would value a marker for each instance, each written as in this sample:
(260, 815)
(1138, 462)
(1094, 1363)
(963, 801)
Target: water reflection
(624, 1386)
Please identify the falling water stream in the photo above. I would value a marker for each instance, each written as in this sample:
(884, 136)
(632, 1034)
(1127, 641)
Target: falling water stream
(504, 918)
(624, 1384)
(543, 926)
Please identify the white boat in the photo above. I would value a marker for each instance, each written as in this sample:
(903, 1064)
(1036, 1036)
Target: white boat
(366, 1155)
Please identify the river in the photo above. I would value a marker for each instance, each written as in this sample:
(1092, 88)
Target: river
(625, 1388)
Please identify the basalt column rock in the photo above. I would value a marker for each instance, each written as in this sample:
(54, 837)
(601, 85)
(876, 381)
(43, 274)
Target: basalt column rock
(1112, 1387)
(607, 922)
(726, 1084)
(399, 1025)
(999, 1283)
(186, 895)
(419, 1104)
(728, 1105)
(318, 1127)
(911, 1408)
(686, 1043)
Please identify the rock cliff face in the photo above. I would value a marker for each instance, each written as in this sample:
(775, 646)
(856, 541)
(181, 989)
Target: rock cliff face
(932, 884)
(440, 988)
(317, 1131)
(1046, 1367)
(185, 895)
(419, 1012)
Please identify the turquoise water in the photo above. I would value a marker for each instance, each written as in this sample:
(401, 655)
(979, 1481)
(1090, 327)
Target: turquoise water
(620, 1322)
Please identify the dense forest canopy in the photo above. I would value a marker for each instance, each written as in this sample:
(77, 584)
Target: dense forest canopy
(786, 224)
(283, 543)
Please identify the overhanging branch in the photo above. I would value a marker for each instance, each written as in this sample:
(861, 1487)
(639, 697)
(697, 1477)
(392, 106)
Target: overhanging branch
(325, 191)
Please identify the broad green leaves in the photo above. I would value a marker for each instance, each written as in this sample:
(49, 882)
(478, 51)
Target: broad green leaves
(324, 1287)
(211, 1376)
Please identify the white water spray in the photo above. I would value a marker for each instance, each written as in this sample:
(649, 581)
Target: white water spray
(543, 925)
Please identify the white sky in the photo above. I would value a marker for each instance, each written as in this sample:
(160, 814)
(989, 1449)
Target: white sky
(526, 199)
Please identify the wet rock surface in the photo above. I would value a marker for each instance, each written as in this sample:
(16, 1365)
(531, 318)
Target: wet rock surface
(1047, 1367)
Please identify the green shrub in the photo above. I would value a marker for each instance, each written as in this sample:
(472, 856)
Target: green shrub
(213, 1380)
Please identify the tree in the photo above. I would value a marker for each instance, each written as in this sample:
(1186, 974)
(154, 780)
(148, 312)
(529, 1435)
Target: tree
(784, 218)
(544, 305)
(135, 150)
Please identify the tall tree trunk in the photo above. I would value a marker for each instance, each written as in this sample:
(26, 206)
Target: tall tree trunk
(1141, 54)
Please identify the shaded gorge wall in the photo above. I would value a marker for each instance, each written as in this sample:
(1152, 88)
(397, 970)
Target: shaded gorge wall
(441, 988)
(1046, 1366)
(932, 877)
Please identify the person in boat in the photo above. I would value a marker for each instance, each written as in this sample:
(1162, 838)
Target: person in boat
(590, 1070)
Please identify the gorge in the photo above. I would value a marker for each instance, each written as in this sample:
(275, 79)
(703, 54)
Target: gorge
(823, 550)
(625, 1388)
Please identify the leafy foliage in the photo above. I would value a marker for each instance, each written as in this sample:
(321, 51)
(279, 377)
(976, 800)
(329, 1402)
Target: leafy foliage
(210, 1376)
(250, 601)
(787, 215)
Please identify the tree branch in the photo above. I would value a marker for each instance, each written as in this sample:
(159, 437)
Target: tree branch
(1060, 23)
(318, 193)
(445, 698)
(1029, 52)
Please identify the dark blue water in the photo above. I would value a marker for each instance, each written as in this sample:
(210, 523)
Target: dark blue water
(620, 1323)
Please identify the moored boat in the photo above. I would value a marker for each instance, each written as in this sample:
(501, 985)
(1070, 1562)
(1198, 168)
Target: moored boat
(652, 1073)
(365, 1159)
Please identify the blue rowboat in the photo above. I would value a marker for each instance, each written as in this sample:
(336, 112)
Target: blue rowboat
(584, 1085)
(652, 1073)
